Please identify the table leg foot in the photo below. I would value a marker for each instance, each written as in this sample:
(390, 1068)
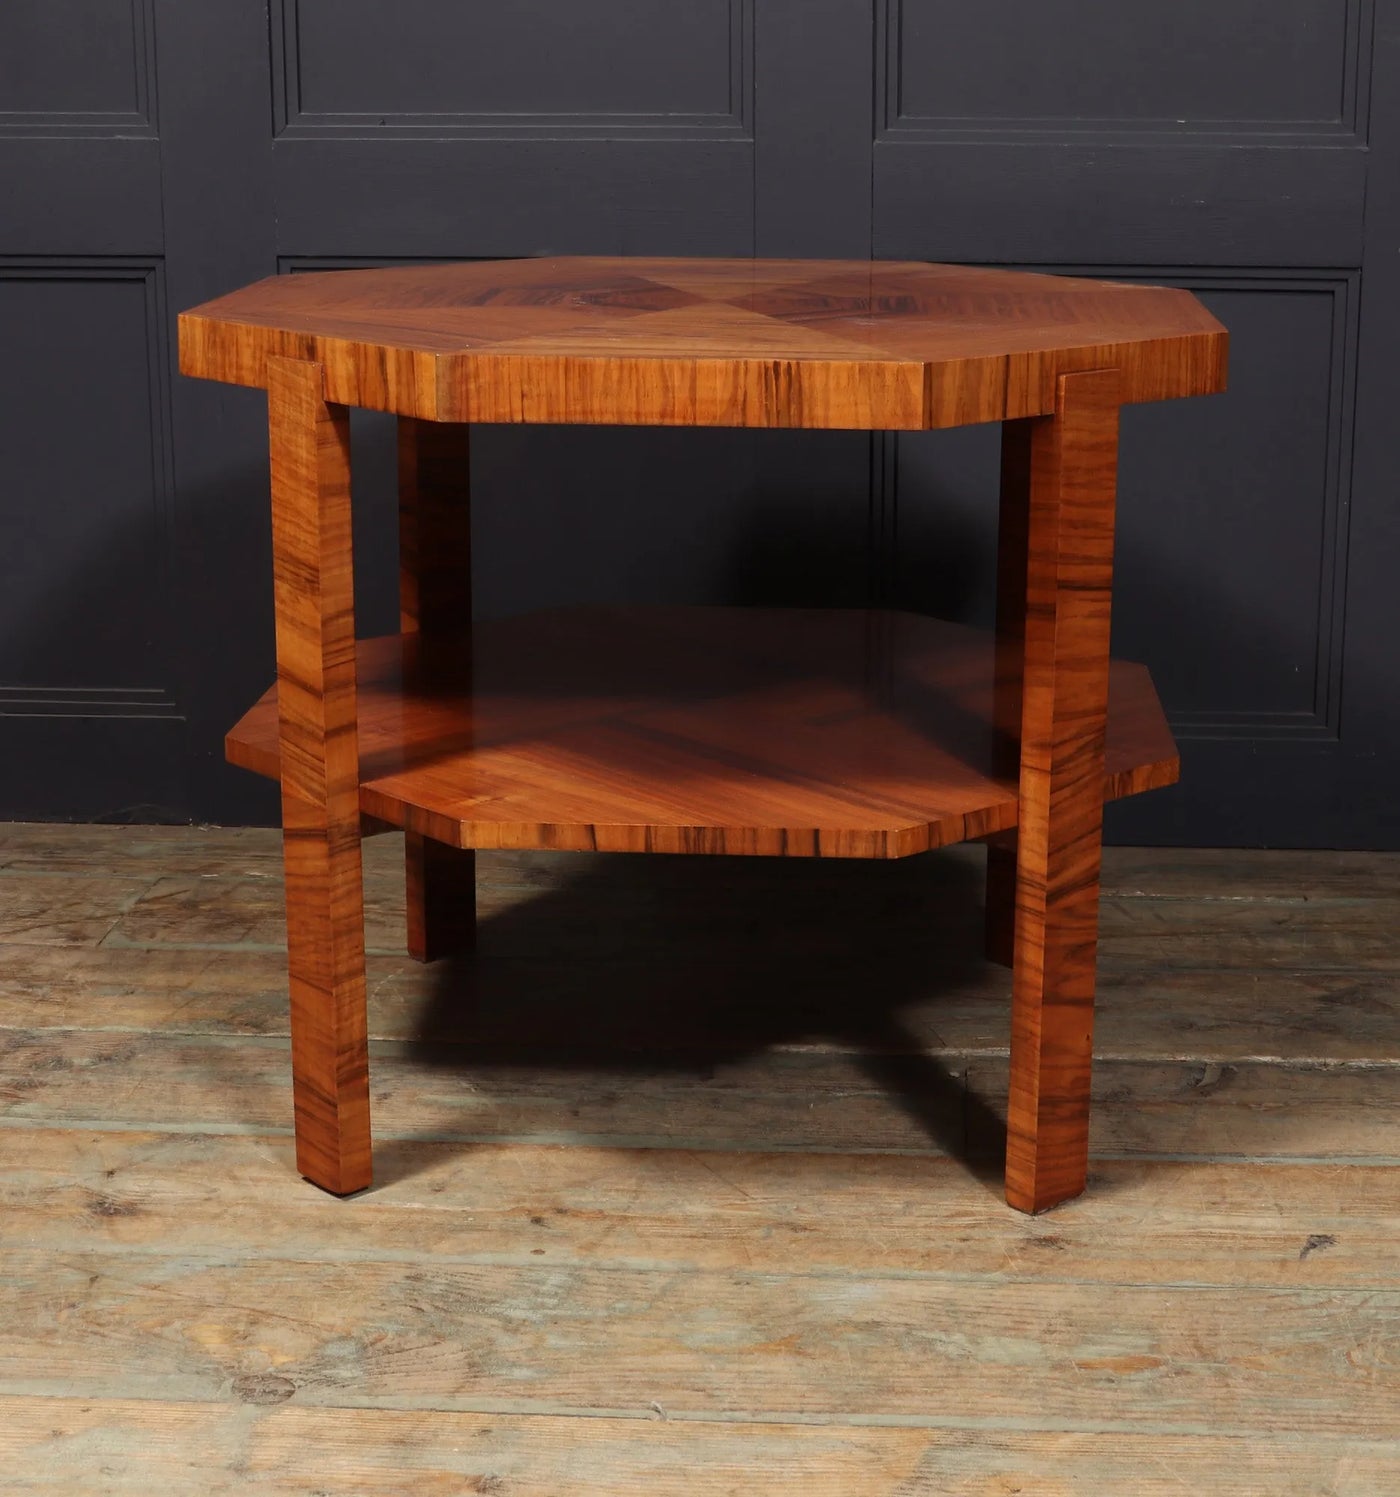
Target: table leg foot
(1052, 1025)
(999, 935)
(440, 883)
(435, 602)
(326, 968)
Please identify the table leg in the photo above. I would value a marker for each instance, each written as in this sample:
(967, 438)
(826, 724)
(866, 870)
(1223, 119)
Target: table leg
(314, 593)
(435, 599)
(1069, 483)
(999, 937)
(1012, 560)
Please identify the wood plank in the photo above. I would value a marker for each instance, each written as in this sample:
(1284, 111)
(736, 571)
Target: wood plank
(209, 1449)
(1145, 934)
(1199, 873)
(207, 1081)
(1222, 1110)
(1219, 934)
(206, 852)
(553, 1337)
(1128, 872)
(218, 1196)
(764, 1100)
(560, 931)
(513, 994)
(52, 847)
(193, 910)
(1187, 1317)
(59, 909)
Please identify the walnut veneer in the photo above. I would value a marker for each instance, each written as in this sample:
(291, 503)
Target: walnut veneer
(774, 732)
(823, 733)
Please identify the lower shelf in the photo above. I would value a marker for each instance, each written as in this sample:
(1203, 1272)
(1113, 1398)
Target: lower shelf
(796, 732)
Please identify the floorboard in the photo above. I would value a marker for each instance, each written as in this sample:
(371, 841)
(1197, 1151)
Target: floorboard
(687, 1184)
(193, 1449)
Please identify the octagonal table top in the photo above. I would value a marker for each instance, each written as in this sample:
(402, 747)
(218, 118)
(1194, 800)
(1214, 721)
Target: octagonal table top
(896, 345)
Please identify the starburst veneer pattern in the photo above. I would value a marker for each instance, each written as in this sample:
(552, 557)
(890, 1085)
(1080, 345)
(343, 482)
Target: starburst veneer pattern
(886, 345)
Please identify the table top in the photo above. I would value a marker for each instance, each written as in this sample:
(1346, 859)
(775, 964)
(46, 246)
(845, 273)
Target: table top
(895, 345)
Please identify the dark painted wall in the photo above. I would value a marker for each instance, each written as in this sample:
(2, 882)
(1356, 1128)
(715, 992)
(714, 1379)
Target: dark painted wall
(154, 153)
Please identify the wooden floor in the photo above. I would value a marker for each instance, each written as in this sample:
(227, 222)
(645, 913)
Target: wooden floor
(689, 1185)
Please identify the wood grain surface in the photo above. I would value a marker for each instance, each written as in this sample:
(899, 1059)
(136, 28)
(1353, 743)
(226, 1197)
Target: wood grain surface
(949, 1104)
(837, 733)
(435, 602)
(1013, 520)
(199, 1192)
(194, 1450)
(622, 1241)
(531, 1337)
(890, 345)
(1273, 957)
(1070, 473)
(319, 771)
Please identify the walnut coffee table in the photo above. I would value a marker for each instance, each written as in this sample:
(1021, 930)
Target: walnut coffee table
(785, 733)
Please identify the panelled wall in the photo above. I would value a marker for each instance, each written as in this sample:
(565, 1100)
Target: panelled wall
(1235, 149)
(87, 501)
(156, 153)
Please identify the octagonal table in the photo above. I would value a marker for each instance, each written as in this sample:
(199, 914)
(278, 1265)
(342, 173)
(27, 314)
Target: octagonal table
(793, 733)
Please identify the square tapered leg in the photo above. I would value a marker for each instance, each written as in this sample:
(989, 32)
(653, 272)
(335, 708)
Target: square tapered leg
(435, 602)
(319, 758)
(1000, 931)
(1069, 484)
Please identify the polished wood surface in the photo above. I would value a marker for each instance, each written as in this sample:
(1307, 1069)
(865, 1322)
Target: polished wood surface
(1000, 913)
(315, 728)
(1012, 560)
(435, 603)
(833, 733)
(1070, 486)
(890, 345)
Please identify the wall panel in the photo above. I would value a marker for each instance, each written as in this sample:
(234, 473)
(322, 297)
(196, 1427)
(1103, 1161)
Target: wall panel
(77, 66)
(84, 491)
(1232, 535)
